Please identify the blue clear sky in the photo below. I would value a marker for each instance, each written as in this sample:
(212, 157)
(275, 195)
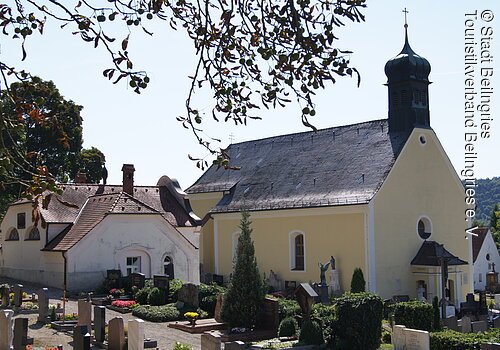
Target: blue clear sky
(141, 129)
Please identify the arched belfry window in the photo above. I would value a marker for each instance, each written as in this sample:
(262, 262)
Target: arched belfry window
(168, 267)
(33, 234)
(297, 251)
(13, 235)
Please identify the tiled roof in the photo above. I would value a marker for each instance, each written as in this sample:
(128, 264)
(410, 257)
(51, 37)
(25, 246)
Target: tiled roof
(430, 254)
(477, 241)
(335, 166)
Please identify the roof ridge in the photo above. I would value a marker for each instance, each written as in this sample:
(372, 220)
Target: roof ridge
(310, 131)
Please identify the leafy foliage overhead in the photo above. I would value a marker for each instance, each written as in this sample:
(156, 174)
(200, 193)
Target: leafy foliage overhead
(251, 54)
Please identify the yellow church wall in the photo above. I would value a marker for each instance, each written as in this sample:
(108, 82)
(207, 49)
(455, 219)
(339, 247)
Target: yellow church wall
(201, 204)
(327, 231)
(421, 183)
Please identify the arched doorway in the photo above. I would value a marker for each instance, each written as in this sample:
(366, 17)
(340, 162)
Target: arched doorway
(168, 267)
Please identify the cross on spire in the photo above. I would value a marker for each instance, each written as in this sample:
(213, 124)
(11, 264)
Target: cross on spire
(406, 12)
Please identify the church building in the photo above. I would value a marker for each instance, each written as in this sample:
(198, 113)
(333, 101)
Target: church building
(381, 195)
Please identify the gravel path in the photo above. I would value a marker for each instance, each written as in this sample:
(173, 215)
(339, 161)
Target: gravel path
(45, 336)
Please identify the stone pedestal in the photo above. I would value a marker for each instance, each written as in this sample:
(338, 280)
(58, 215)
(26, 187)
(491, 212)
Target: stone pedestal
(21, 338)
(18, 295)
(99, 323)
(323, 294)
(334, 282)
(116, 334)
(210, 341)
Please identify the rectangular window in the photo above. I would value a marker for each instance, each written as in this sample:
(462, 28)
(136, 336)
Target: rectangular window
(133, 264)
(21, 220)
(480, 277)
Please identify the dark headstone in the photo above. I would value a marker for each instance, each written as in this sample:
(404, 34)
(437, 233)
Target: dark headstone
(114, 277)
(483, 305)
(219, 279)
(234, 345)
(137, 279)
(161, 281)
(400, 298)
(5, 296)
(270, 314)
(188, 294)
(99, 323)
(21, 334)
(496, 322)
(490, 346)
(81, 338)
(451, 323)
(218, 307)
(18, 295)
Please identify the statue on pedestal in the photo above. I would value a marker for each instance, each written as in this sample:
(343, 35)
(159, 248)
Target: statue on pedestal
(323, 269)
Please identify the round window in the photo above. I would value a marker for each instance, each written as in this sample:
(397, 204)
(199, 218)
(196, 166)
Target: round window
(424, 228)
(488, 257)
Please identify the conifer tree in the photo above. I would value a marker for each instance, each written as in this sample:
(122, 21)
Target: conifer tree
(245, 293)
(358, 283)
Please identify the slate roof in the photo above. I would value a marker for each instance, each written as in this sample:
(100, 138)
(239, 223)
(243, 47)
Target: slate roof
(430, 254)
(335, 166)
(477, 241)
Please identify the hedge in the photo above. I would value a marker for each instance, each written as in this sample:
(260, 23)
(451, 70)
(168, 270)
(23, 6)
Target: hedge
(288, 308)
(288, 327)
(207, 295)
(414, 314)
(451, 340)
(358, 322)
(162, 313)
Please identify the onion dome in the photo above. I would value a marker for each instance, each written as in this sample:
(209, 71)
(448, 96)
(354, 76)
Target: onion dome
(407, 65)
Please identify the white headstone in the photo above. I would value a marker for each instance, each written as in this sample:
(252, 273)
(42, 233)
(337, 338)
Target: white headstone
(136, 334)
(84, 313)
(466, 324)
(210, 341)
(6, 329)
(398, 337)
(334, 282)
(417, 340)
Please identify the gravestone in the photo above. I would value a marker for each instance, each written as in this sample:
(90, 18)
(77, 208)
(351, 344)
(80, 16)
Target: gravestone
(137, 279)
(450, 311)
(305, 295)
(81, 338)
(43, 304)
(497, 300)
(135, 334)
(218, 307)
(334, 282)
(274, 281)
(496, 322)
(99, 323)
(483, 305)
(161, 281)
(6, 329)
(219, 279)
(466, 324)
(188, 294)
(398, 337)
(84, 313)
(21, 338)
(113, 277)
(116, 334)
(18, 295)
(416, 339)
(210, 341)
(451, 323)
(234, 345)
(5, 296)
(270, 318)
(490, 346)
(479, 326)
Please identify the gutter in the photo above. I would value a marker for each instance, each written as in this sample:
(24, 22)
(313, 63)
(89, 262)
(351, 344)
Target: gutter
(64, 283)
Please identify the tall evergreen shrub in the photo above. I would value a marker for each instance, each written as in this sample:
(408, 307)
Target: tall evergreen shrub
(358, 284)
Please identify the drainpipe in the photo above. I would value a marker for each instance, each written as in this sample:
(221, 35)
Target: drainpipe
(64, 284)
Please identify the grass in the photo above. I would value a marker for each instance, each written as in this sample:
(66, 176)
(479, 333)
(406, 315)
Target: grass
(386, 347)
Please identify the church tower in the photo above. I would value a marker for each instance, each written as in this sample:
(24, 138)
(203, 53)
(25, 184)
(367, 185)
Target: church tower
(408, 84)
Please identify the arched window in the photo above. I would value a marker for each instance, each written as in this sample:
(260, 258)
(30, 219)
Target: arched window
(297, 251)
(13, 235)
(424, 228)
(33, 235)
(168, 267)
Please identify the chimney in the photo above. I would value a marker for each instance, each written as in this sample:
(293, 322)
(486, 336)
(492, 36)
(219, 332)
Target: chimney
(128, 178)
(80, 178)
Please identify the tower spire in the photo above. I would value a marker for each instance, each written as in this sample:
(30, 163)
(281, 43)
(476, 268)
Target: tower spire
(405, 11)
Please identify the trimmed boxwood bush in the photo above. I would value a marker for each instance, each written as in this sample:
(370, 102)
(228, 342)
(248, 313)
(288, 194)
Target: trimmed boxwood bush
(288, 327)
(141, 297)
(414, 314)
(207, 295)
(288, 308)
(358, 283)
(157, 297)
(311, 333)
(451, 340)
(163, 313)
(358, 322)
(173, 291)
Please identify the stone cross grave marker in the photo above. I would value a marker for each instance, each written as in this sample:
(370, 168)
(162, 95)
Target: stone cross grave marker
(18, 295)
(210, 341)
(416, 339)
(99, 323)
(21, 338)
(81, 338)
(116, 334)
(84, 313)
(136, 334)
(6, 329)
(398, 337)
(43, 304)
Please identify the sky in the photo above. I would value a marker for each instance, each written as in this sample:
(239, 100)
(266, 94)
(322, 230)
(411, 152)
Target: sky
(142, 129)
